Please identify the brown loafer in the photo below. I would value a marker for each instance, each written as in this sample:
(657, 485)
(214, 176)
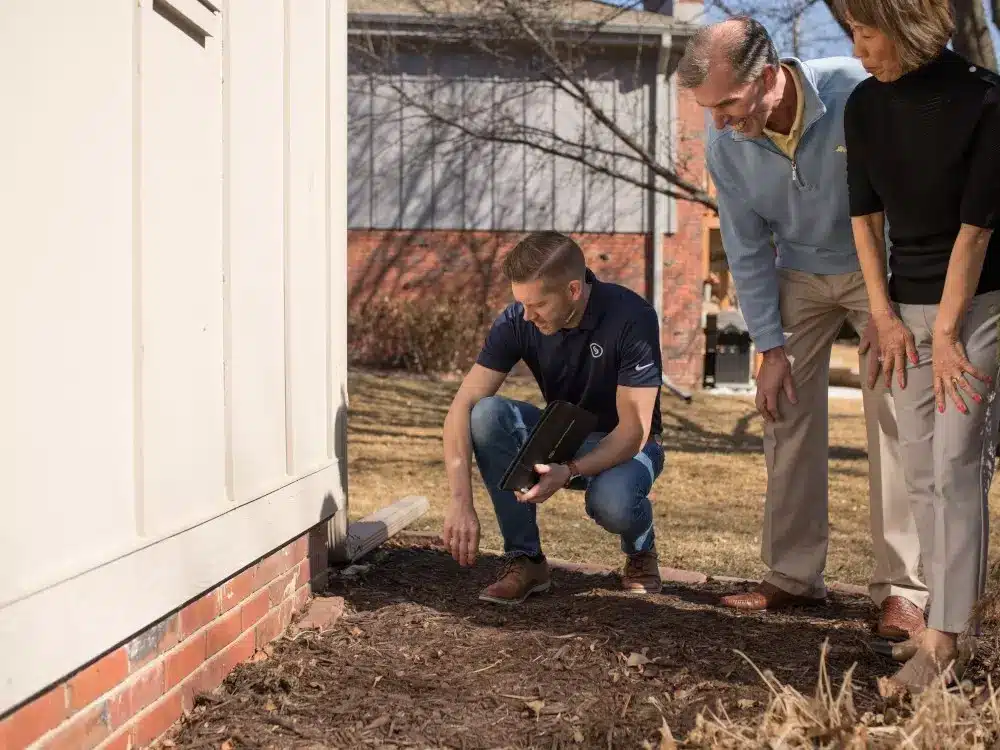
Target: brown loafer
(769, 596)
(899, 619)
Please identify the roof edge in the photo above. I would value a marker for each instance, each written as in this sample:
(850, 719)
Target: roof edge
(673, 26)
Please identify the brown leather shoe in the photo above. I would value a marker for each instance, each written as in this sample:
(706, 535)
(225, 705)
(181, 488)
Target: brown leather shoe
(769, 596)
(641, 573)
(899, 619)
(519, 578)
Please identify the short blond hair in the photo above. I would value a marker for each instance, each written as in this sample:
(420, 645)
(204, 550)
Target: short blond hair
(919, 29)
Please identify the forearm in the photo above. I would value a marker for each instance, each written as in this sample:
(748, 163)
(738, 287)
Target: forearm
(617, 447)
(756, 279)
(458, 451)
(869, 239)
(962, 277)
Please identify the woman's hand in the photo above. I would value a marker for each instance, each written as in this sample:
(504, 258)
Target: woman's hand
(951, 365)
(895, 346)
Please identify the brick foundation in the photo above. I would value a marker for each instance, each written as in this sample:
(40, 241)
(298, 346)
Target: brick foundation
(131, 695)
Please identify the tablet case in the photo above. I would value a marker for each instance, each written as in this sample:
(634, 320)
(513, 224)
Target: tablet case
(557, 437)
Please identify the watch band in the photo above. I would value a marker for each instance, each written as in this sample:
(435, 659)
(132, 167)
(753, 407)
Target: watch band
(574, 472)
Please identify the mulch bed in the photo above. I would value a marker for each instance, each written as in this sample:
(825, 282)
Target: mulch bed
(418, 661)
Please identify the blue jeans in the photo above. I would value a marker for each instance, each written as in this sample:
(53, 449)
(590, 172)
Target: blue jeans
(617, 499)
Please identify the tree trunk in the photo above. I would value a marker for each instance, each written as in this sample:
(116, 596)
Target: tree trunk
(840, 21)
(972, 33)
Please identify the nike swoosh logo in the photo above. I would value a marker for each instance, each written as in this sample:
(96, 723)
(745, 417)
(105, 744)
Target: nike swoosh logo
(640, 368)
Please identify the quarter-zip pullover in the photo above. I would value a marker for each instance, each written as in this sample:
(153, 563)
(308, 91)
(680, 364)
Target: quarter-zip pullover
(777, 211)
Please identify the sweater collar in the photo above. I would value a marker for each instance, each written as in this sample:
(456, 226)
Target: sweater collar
(814, 106)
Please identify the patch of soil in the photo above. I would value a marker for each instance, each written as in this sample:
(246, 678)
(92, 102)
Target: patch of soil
(418, 661)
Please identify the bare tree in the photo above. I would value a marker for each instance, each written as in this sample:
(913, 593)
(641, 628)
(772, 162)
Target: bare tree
(792, 23)
(543, 48)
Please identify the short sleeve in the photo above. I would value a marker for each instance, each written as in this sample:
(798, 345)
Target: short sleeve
(640, 363)
(981, 198)
(862, 198)
(502, 348)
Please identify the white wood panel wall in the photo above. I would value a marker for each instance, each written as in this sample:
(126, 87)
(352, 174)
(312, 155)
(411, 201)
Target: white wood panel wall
(173, 231)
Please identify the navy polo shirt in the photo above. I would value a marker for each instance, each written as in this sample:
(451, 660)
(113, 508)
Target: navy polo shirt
(616, 343)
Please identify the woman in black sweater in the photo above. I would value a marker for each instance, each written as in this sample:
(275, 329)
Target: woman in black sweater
(923, 153)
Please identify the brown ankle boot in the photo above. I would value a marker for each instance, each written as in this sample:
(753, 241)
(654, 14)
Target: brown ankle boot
(642, 573)
(519, 578)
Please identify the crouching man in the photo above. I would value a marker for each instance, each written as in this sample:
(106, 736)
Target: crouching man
(592, 343)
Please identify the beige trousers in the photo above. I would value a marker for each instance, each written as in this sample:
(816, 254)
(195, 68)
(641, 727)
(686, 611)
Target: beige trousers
(796, 449)
(948, 461)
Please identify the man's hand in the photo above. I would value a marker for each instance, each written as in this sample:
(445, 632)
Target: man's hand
(774, 377)
(461, 532)
(896, 345)
(553, 478)
(869, 341)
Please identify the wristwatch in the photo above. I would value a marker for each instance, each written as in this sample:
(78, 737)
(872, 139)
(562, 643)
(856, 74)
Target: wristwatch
(574, 472)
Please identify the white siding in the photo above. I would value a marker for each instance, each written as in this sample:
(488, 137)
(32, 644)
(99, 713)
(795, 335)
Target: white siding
(172, 216)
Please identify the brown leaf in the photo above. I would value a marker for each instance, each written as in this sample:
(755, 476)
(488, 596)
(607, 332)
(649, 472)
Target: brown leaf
(666, 738)
(536, 706)
(577, 736)
(746, 703)
(227, 745)
(637, 660)
(381, 721)
(269, 706)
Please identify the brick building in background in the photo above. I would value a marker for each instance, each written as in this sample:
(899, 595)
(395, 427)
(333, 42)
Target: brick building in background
(432, 211)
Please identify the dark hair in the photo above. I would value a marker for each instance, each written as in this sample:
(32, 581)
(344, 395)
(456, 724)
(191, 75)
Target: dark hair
(544, 255)
(748, 50)
(919, 29)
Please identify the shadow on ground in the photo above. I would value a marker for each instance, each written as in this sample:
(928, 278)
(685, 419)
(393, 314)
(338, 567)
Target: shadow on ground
(418, 661)
(391, 404)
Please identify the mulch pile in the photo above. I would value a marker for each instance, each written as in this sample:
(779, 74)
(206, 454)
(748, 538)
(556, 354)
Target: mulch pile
(417, 661)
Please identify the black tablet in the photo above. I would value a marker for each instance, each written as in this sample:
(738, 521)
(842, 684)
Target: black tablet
(558, 436)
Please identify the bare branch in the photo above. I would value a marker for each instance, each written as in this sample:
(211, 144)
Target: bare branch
(569, 82)
(538, 55)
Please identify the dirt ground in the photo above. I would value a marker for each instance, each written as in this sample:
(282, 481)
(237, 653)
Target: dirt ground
(418, 661)
(707, 503)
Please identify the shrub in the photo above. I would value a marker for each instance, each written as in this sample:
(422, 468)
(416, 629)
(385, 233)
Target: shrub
(422, 334)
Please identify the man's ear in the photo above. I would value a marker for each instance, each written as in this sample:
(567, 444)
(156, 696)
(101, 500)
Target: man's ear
(575, 289)
(770, 76)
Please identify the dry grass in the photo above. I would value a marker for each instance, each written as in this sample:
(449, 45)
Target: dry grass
(708, 501)
(959, 717)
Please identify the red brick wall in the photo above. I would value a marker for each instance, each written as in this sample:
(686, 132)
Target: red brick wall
(684, 277)
(465, 267)
(130, 696)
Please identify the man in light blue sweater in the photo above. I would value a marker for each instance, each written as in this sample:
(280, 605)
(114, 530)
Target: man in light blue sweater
(778, 161)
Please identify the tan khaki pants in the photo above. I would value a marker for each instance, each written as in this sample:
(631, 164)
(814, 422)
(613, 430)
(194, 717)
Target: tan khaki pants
(948, 461)
(796, 449)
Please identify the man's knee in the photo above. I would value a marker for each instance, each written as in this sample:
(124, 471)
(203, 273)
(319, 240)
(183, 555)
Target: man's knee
(489, 419)
(611, 502)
